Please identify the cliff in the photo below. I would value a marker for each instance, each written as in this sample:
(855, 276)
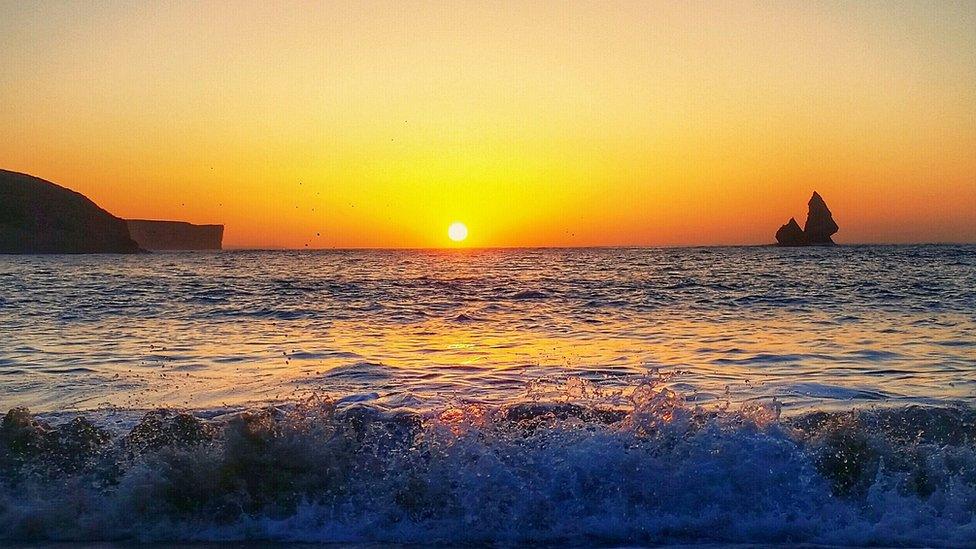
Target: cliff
(175, 235)
(39, 217)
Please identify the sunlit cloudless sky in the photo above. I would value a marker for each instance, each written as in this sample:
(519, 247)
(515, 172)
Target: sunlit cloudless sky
(366, 124)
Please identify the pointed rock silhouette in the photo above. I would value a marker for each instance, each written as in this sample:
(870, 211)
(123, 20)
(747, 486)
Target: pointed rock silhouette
(820, 223)
(817, 230)
(791, 234)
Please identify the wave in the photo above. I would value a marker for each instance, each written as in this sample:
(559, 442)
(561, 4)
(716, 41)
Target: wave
(650, 470)
(360, 371)
(530, 294)
(465, 318)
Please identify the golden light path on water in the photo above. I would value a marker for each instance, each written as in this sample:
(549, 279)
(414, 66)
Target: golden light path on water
(431, 362)
(422, 328)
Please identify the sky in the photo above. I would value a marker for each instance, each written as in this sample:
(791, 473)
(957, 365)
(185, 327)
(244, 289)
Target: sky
(378, 124)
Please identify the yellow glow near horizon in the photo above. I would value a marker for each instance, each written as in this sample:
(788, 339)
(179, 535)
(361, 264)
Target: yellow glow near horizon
(457, 231)
(549, 123)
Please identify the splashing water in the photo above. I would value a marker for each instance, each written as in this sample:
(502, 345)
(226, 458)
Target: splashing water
(610, 397)
(574, 470)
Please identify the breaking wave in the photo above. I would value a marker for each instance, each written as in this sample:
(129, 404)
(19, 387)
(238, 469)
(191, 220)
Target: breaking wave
(569, 470)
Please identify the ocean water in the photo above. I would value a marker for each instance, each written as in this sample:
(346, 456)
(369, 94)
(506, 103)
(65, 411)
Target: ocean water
(556, 396)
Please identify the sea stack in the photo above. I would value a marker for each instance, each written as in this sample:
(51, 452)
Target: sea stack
(790, 234)
(39, 217)
(820, 223)
(818, 229)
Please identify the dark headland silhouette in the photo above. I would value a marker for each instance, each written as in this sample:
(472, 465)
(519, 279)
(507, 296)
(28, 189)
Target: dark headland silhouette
(817, 231)
(40, 217)
(175, 235)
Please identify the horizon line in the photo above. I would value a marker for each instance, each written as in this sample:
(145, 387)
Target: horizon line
(557, 247)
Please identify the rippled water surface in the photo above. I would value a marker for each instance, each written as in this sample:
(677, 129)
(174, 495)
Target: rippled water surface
(813, 327)
(560, 397)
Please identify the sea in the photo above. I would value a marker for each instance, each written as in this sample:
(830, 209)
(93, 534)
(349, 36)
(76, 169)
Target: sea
(599, 396)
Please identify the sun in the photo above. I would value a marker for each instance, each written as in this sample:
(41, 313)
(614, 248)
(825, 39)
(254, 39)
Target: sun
(457, 231)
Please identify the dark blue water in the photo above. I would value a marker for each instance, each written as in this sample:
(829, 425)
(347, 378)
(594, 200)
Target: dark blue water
(598, 396)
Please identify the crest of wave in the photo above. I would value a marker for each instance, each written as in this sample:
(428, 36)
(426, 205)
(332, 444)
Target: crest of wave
(578, 466)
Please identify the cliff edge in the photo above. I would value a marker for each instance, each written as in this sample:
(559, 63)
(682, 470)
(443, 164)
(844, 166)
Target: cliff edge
(175, 235)
(39, 217)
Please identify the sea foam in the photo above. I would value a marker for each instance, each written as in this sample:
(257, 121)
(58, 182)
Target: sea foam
(571, 470)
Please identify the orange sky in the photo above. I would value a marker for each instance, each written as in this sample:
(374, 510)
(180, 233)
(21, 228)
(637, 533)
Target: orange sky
(569, 123)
